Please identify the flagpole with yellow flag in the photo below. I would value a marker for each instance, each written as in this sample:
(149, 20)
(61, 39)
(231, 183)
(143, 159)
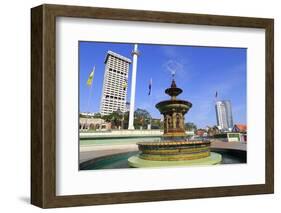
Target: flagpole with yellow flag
(89, 84)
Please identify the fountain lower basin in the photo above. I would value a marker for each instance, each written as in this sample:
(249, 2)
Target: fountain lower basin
(174, 150)
(174, 153)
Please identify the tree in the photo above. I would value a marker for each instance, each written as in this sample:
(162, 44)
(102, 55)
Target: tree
(83, 115)
(115, 119)
(190, 126)
(126, 120)
(213, 131)
(141, 118)
(97, 115)
(156, 123)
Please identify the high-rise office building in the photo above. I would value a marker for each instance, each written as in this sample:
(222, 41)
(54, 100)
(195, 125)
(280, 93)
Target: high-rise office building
(115, 83)
(224, 114)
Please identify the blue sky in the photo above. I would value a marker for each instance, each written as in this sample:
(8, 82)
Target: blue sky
(201, 71)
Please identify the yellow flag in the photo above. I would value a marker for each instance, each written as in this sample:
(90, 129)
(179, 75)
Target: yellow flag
(91, 77)
(124, 84)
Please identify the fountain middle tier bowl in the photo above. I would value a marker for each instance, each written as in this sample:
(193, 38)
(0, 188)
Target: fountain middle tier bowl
(174, 150)
(172, 105)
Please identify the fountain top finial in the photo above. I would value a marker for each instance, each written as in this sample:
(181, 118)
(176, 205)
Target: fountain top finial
(173, 85)
(173, 91)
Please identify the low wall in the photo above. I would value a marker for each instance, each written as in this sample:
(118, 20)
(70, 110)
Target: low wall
(229, 145)
(122, 133)
(125, 133)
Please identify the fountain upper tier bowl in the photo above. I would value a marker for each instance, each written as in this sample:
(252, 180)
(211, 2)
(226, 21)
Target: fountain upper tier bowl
(173, 105)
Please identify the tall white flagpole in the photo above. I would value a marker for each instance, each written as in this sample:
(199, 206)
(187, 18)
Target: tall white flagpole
(90, 92)
(89, 97)
(135, 54)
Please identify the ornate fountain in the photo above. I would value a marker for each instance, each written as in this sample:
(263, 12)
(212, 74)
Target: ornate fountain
(174, 148)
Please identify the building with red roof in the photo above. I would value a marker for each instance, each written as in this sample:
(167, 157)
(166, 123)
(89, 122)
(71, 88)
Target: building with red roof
(239, 128)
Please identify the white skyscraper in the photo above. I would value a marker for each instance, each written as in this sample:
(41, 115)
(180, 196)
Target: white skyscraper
(224, 114)
(115, 83)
